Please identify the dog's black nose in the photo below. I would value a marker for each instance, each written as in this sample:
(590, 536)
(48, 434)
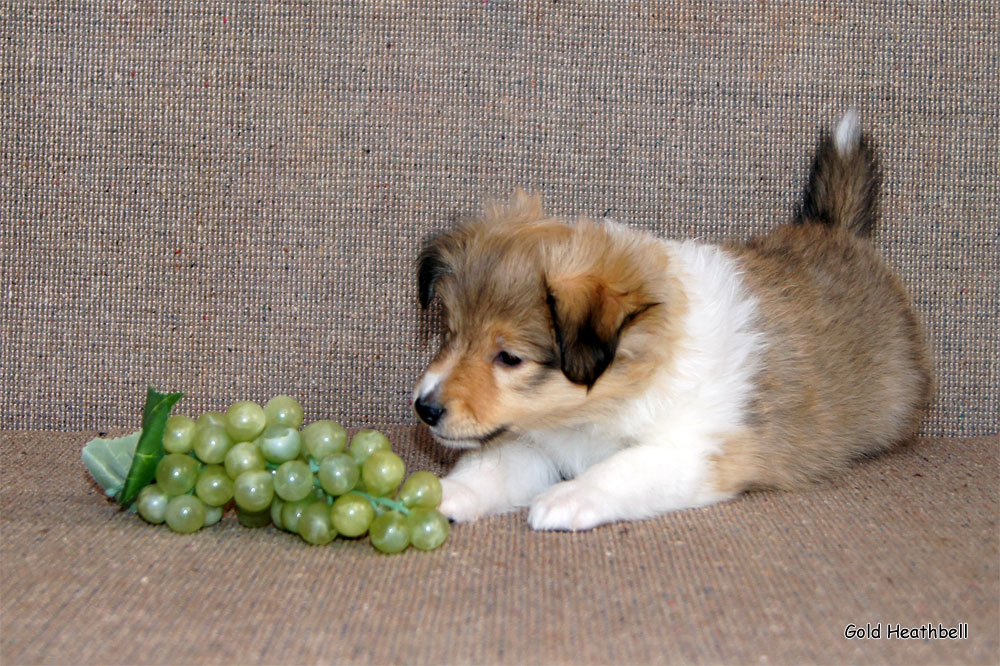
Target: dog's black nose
(429, 412)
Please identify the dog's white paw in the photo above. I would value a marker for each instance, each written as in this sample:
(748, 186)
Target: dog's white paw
(459, 502)
(570, 505)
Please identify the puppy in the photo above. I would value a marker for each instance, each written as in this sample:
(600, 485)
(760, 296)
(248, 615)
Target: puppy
(599, 374)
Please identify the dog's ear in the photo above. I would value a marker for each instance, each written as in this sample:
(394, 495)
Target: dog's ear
(588, 319)
(431, 265)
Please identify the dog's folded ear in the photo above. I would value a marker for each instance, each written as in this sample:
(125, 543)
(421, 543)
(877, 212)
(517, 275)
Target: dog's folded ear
(596, 285)
(585, 335)
(431, 265)
(588, 318)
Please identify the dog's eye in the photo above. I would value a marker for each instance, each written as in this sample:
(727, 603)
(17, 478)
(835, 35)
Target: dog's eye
(507, 359)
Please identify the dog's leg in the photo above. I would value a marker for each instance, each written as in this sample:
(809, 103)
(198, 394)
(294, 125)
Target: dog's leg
(495, 480)
(638, 482)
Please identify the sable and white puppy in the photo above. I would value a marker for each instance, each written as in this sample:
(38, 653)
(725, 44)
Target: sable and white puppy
(601, 374)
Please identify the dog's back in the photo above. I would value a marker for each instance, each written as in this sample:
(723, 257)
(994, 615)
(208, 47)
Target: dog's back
(845, 371)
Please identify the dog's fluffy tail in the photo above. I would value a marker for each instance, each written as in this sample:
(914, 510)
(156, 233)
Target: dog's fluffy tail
(843, 185)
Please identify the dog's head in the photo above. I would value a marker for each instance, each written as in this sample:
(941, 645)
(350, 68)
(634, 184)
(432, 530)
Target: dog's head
(533, 314)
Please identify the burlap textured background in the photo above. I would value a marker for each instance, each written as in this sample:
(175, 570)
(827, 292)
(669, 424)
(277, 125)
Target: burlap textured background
(226, 198)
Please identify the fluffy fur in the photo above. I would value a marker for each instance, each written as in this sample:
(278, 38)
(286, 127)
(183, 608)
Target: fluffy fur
(599, 374)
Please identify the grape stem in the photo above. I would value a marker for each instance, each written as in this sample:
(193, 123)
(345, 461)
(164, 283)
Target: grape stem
(393, 505)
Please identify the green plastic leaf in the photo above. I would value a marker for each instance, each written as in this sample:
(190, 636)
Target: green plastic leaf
(108, 460)
(149, 449)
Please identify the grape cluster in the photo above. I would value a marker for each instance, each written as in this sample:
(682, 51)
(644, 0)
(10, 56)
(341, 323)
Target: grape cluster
(306, 481)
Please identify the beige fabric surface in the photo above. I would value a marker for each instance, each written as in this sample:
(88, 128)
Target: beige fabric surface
(909, 538)
(226, 198)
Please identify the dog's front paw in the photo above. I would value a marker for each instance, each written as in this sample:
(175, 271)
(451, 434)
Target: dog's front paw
(570, 505)
(459, 502)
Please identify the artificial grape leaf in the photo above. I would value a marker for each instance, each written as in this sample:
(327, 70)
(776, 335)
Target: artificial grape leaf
(108, 460)
(149, 450)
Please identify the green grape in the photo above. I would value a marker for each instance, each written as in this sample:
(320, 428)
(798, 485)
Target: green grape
(245, 420)
(284, 410)
(292, 511)
(152, 504)
(253, 518)
(211, 444)
(277, 505)
(213, 514)
(390, 532)
(352, 514)
(338, 474)
(368, 442)
(254, 491)
(185, 514)
(422, 489)
(178, 434)
(211, 418)
(214, 487)
(293, 480)
(323, 438)
(315, 525)
(244, 457)
(280, 444)
(176, 473)
(428, 528)
(382, 472)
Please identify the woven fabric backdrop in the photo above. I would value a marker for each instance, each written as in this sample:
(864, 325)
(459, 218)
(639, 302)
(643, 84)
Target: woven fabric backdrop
(226, 198)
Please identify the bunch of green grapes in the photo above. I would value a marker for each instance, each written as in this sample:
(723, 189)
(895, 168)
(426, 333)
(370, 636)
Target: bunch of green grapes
(306, 481)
